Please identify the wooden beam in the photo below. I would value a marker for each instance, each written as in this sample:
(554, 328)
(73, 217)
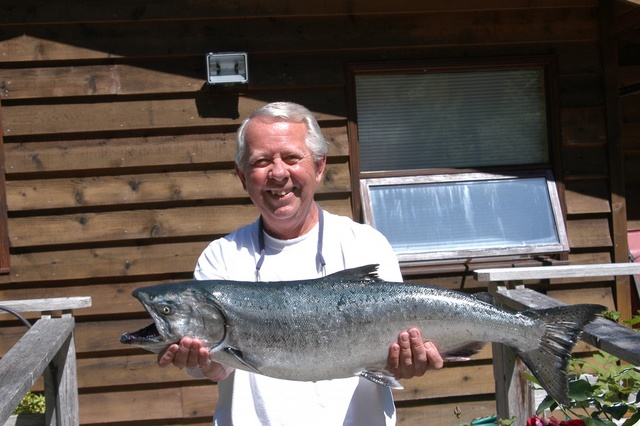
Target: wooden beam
(549, 272)
(609, 48)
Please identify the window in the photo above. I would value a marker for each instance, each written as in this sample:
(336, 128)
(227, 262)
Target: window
(453, 161)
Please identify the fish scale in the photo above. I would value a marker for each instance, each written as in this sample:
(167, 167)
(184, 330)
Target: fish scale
(343, 324)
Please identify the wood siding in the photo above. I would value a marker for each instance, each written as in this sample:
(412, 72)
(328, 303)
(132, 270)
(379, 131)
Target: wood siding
(119, 159)
(628, 35)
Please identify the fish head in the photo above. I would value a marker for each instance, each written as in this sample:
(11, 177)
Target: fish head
(178, 310)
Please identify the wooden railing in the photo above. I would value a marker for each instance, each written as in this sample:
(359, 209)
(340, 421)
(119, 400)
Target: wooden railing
(46, 348)
(514, 396)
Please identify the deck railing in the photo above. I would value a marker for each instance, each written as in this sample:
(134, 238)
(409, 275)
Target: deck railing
(514, 396)
(47, 348)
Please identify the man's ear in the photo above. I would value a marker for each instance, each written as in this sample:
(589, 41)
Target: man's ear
(242, 176)
(320, 168)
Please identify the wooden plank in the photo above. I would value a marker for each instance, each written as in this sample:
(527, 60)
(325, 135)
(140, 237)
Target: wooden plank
(582, 126)
(61, 387)
(160, 404)
(620, 341)
(514, 396)
(25, 83)
(600, 295)
(628, 75)
(141, 260)
(129, 225)
(547, 272)
(4, 232)
(138, 224)
(443, 414)
(109, 298)
(93, 338)
(138, 10)
(588, 233)
(582, 197)
(629, 109)
(47, 305)
(139, 76)
(615, 154)
(138, 152)
(26, 361)
(204, 110)
(585, 160)
(590, 257)
(293, 34)
(121, 190)
(132, 370)
(26, 420)
(449, 382)
(106, 262)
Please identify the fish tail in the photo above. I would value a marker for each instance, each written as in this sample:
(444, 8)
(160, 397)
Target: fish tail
(549, 362)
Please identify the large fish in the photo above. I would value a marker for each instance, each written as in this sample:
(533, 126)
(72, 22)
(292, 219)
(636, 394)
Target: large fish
(342, 325)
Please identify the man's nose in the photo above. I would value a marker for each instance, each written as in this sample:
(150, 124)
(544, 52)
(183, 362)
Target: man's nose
(278, 170)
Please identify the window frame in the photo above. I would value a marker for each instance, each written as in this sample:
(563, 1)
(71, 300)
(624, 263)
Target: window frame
(545, 63)
(485, 253)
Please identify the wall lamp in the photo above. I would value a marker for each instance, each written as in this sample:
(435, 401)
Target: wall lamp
(227, 68)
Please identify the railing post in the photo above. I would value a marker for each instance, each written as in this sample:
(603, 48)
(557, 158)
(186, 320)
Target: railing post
(514, 398)
(60, 384)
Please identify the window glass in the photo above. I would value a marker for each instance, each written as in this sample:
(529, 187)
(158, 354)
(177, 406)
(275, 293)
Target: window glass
(453, 119)
(476, 215)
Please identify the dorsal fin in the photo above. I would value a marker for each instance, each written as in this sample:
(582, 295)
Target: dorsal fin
(361, 273)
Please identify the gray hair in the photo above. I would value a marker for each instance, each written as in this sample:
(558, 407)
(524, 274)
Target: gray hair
(285, 111)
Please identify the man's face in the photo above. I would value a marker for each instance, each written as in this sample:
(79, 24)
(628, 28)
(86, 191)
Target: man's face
(280, 175)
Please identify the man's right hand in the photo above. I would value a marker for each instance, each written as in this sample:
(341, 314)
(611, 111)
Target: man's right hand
(190, 353)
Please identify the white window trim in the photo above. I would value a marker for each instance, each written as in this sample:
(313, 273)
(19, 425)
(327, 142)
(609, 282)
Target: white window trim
(479, 253)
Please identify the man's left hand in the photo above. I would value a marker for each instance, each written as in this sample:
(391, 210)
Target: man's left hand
(411, 356)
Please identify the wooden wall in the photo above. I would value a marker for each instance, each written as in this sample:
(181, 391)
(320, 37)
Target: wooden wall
(628, 34)
(119, 158)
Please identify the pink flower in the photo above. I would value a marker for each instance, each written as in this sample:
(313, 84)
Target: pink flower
(537, 421)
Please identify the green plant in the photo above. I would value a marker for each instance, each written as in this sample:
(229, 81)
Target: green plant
(32, 403)
(484, 421)
(612, 393)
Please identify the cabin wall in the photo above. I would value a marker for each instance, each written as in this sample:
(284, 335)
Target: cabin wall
(119, 159)
(627, 31)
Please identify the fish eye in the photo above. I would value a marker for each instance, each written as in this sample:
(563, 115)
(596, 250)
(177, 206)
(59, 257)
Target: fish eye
(166, 309)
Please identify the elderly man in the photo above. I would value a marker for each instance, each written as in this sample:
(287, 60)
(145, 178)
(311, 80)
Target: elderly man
(280, 159)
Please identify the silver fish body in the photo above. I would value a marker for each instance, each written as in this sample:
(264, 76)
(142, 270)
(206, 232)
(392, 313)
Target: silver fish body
(342, 325)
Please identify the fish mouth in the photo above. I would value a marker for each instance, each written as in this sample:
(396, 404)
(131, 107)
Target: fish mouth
(146, 335)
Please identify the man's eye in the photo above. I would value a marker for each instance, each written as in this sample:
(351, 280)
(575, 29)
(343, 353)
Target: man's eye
(292, 159)
(263, 162)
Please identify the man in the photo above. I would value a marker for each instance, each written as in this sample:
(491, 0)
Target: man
(280, 159)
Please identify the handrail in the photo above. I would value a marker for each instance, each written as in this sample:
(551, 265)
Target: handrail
(513, 395)
(46, 348)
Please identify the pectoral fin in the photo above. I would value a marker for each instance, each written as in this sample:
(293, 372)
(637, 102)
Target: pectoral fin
(236, 354)
(381, 377)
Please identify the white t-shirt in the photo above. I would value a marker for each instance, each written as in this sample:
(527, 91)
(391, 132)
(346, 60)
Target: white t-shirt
(250, 399)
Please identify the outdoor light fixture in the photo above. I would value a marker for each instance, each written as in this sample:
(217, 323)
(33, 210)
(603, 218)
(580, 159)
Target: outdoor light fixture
(226, 68)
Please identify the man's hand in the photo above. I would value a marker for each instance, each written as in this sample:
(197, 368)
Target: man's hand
(411, 356)
(190, 353)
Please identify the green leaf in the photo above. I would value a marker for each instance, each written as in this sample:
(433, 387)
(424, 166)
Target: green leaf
(591, 421)
(617, 411)
(632, 420)
(580, 390)
(547, 403)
